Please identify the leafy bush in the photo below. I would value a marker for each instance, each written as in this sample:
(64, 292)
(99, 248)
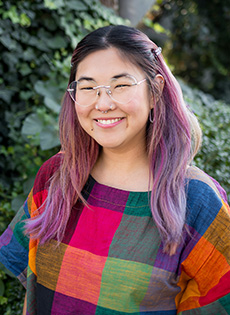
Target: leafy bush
(34, 71)
(214, 118)
(197, 42)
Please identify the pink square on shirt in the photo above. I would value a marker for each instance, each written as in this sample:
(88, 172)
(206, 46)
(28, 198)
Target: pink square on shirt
(95, 230)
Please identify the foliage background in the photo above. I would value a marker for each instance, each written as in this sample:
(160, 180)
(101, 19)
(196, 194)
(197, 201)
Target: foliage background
(197, 41)
(37, 39)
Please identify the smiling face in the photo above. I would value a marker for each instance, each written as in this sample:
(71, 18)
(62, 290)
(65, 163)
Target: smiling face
(124, 125)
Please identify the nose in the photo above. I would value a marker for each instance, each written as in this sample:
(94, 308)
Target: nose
(104, 101)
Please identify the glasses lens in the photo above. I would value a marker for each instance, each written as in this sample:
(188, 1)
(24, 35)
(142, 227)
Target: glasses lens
(83, 92)
(123, 89)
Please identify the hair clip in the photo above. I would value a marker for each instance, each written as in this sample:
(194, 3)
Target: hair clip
(158, 51)
(71, 65)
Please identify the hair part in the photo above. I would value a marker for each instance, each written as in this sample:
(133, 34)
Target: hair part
(173, 139)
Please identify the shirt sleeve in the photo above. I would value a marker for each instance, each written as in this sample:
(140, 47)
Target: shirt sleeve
(14, 244)
(205, 272)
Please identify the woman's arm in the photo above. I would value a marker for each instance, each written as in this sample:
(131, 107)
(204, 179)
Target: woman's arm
(205, 274)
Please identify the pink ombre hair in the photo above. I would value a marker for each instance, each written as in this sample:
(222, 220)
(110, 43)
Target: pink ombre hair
(172, 141)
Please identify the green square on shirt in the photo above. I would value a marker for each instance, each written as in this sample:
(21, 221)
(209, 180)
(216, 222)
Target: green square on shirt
(124, 284)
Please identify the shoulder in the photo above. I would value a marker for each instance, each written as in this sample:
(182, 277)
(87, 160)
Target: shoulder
(46, 172)
(205, 199)
(199, 179)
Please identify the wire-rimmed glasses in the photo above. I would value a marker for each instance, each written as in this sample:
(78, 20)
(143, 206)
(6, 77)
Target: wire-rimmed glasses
(121, 89)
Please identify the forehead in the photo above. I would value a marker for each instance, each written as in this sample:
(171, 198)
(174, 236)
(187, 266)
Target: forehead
(105, 64)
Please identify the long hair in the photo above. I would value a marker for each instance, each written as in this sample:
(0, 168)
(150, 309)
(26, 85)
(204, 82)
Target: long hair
(172, 141)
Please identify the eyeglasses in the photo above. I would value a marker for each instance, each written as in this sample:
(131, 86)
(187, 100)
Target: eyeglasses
(122, 90)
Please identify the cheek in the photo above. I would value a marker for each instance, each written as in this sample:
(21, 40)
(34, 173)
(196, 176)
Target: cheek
(140, 106)
(80, 111)
(82, 115)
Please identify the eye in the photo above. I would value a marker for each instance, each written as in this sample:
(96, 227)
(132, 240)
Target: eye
(120, 86)
(86, 85)
(86, 88)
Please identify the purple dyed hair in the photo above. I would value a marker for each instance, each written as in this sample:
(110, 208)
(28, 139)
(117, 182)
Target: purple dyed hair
(172, 141)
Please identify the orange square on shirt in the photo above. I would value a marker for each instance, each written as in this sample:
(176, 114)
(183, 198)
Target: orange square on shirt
(80, 275)
(196, 280)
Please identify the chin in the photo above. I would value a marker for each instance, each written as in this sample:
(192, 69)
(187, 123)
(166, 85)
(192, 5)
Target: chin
(108, 141)
(108, 145)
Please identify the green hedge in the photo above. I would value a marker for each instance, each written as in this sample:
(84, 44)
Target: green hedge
(198, 41)
(214, 118)
(37, 39)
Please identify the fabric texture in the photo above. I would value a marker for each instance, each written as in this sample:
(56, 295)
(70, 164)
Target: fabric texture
(111, 259)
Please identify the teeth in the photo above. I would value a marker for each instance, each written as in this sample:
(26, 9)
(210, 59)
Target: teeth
(108, 121)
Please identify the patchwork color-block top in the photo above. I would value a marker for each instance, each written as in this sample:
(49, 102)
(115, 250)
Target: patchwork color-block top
(111, 261)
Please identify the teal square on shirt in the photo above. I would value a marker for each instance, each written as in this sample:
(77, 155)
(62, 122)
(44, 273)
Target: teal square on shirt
(138, 204)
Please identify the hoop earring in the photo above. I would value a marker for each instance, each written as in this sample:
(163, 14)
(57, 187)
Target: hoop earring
(151, 116)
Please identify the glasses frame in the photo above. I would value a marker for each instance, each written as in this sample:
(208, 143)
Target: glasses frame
(107, 88)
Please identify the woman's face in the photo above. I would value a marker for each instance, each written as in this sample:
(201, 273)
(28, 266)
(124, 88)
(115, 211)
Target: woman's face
(123, 126)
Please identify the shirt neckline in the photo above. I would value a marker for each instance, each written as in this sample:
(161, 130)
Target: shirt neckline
(92, 180)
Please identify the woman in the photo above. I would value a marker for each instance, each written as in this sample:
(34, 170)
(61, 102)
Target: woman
(119, 222)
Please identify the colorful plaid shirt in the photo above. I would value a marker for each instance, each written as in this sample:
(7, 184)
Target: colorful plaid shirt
(111, 260)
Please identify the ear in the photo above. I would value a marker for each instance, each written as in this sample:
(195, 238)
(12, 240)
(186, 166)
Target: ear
(161, 83)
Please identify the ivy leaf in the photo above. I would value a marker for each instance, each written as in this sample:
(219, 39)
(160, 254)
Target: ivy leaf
(32, 125)
(3, 268)
(49, 138)
(40, 88)
(8, 42)
(76, 5)
(52, 104)
(50, 90)
(6, 95)
(35, 42)
(57, 42)
(25, 20)
(28, 54)
(53, 4)
(17, 202)
(12, 15)
(25, 69)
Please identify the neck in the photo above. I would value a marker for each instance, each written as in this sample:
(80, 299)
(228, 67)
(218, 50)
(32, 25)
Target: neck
(128, 170)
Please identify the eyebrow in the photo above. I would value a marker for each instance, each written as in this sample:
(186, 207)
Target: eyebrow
(120, 75)
(114, 77)
(86, 78)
